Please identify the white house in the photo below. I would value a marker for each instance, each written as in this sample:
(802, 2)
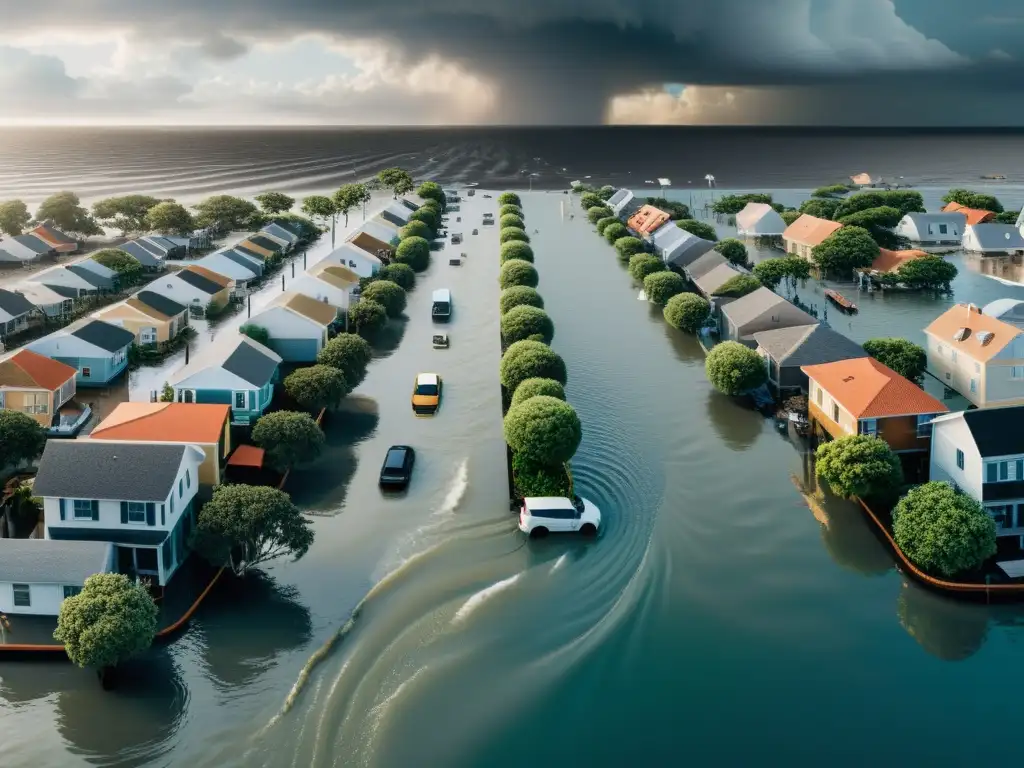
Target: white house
(396, 214)
(46, 299)
(1010, 311)
(138, 496)
(327, 282)
(298, 325)
(282, 235)
(620, 201)
(993, 238)
(981, 452)
(37, 574)
(62, 276)
(759, 220)
(192, 288)
(380, 230)
(359, 261)
(932, 228)
(239, 269)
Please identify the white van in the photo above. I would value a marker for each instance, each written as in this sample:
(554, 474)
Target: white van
(541, 515)
(441, 308)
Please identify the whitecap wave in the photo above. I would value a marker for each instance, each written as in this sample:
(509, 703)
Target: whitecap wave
(481, 597)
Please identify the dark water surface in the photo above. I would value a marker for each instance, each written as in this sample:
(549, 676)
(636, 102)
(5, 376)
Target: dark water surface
(724, 616)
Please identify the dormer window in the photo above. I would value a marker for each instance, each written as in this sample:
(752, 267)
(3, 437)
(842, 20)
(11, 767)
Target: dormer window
(961, 334)
(984, 337)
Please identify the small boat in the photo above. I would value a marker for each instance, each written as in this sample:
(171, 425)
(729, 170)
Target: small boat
(994, 176)
(440, 341)
(840, 301)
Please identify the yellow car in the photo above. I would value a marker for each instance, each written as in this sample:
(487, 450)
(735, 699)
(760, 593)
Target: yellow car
(426, 394)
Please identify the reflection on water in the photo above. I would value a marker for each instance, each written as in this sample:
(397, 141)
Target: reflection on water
(1008, 268)
(736, 429)
(951, 630)
(685, 345)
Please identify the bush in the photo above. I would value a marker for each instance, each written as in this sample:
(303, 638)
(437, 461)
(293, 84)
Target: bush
(525, 322)
(698, 228)
(858, 465)
(905, 357)
(734, 250)
(734, 369)
(591, 200)
(738, 286)
(428, 215)
(533, 479)
(21, 438)
(662, 286)
(530, 360)
(603, 224)
(350, 354)
(388, 294)
(415, 229)
(317, 386)
(510, 234)
(614, 231)
(367, 317)
(543, 429)
(830, 191)
(598, 212)
(128, 268)
(511, 220)
(687, 312)
(790, 216)
(401, 274)
(509, 198)
(414, 251)
(943, 530)
(288, 438)
(518, 272)
(643, 264)
(516, 249)
(519, 296)
(514, 210)
(534, 387)
(256, 332)
(628, 247)
(431, 190)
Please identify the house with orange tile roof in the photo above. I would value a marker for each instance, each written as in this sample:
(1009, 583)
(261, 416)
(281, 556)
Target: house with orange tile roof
(806, 232)
(50, 235)
(862, 396)
(889, 261)
(979, 356)
(646, 221)
(36, 385)
(973, 215)
(204, 425)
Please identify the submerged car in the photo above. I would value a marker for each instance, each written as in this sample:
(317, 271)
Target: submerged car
(426, 394)
(397, 469)
(541, 515)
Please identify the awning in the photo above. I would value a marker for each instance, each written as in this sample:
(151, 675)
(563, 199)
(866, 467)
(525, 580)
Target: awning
(246, 456)
(1012, 568)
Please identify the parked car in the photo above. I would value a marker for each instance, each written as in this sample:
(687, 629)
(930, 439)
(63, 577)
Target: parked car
(541, 515)
(397, 469)
(456, 238)
(426, 394)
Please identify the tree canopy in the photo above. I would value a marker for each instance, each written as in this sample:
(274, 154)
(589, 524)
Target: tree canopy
(21, 438)
(510, 234)
(349, 196)
(317, 386)
(614, 232)
(884, 216)
(170, 218)
(942, 530)
(603, 224)
(526, 322)
(687, 312)
(738, 286)
(628, 246)
(734, 369)
(905, 201)
(401, 274)
(367, 317)
(511, 220)
(832, 190)
(509, 198)
(14, 217)
(731, 204)
(534, 387)
(127, 213)
(288, 438)
(128, 268)
(734, 250)
(971, 199)
(247, 525)
(925, 272)
(821, 207)
(256, 332)
(773, 271)
(905, 357)
(64, 209)
(530, 360)
(431, 190)
(110, 620)
(591, 200)
(533, 479)
(516, 249)
(414, 251)
(274, 202)
(598, 212)
(321, 208)
(350, 354)
(673, 208)
(397, 180)
(846, 249)
(790, 216)
(543, 429)
(643, 264)
(518, 296)
(226, 212)
(858, 465)
(428, 215)
(389, 295)
(662, 286)
(698, 228)
(518, 272)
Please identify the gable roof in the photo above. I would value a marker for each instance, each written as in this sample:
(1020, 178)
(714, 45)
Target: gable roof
(98, 469)
(252, 362)
(621, 195)
(974, 215)
(209, 274)
(164, 422)
(166, 244)
(318, 312)
(265, 242)
(278, 231)
(942, 217)
(334, 274)
(96, 268)
(143, 256)
(14, 304)
(252, 264)
(997, 431)
(715, 278)
(199, 280)
(39, 295)
(667, 236)
(1011, 309)
(946, 327)
(700, 267)
(33, 243)
(49, 233)
(689, 250)
(807, 345)
(380, 229)
(251, 249)
(890, 261)
(756, 304)
(369, 243)
(647, 219)
(998, 237)
(753, 213)
(867, 389)
(93, 278)
(398, 210)
(106, 336)
(149, 301)
(222, 265)
(810, 230)
(50, 561)
(66, 291)
(26, 368)
(150, 247)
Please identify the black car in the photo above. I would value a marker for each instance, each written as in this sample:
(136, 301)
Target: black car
(397, 469)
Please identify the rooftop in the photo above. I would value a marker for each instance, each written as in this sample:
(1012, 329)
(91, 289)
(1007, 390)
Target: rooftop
(890, 261)
(106, 336)
(247, 456)
(997, 431)
(318, 311)
(14, 304)
(368, 243)
(164, 423)
(209, 274)
(867, 389)
(27, 368)
(810, 230)
(46, 561)
(974, 215)
(647, 219)
(807, 345)
(199, 280)
(967, 329)
(150, 301)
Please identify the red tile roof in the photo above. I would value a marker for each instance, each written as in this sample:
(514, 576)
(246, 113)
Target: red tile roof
(164, 422)
(810, 230)
(46, 373)
(647, 219)
(974, 215)
(890, 261)
(867, 389)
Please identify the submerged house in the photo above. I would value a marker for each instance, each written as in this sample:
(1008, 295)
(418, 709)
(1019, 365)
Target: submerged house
(149, 260)
(154, 319)
(96, 349)
(687, 250)
(972, 215)
(932, 228)
(761, 310)
(196, 287)
(759, 220)
(282, 235)
(63, 277)
(396, 214)
(620, 201)
(787, 350)
(806, 232)
(298, 326)
(888, 262)
(993, 238)
(377, 248)
(36, 575)
(709, 283)
(15, 311)
(645, 222)
(27, 248)
(54, 302)
(56, 239)
(39, 387)
(700, 267)
(233, 266)
(328, 283)
(104, 278)
(359, 261)
(380, 230)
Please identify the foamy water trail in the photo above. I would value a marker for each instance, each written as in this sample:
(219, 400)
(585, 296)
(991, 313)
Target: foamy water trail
(481, 597)
(560, 562)
(456, 491)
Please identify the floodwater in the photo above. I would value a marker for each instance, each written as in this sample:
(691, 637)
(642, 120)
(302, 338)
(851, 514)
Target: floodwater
(723, 616)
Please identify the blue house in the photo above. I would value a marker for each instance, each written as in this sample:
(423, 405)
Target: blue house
(98, 350)
(239, 372)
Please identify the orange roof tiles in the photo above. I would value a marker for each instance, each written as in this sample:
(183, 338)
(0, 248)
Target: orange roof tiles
(890, 261)
(945, 327)
(647, 219)
(869, 390)
(28, 368)
(369, 243)
(810, 230)
(247, 456)
(209, 274)
(974, 215)
(164, 422)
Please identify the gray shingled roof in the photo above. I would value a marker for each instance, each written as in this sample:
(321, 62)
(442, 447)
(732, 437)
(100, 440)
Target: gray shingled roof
(752, 306)
(46, 561)
(160, 303)
(107, 336)
(999, 237)
(715, 278)
(693, 249)
(143, 256)
(198, 281)
(266, 242)
(808, 345)
(104, 470)
(705, 264)
(14, 304)
(251, 365)
(64, 290)
(241, 261)
(34, 243)
(93, 278)
(278, 231)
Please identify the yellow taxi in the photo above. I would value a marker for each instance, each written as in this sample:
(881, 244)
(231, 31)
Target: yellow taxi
(426, 394)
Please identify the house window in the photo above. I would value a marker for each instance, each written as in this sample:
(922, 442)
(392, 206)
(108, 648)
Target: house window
(942, 229)
(924, 425)
(36, 402)
(999, 471)
(86, 373)
(835, 412)
(172, 505)
(82, 509)
(952, 355)
(71, 591)
(22, 595)
(959, 459)
(147, 335)
(974, 385)
(137, 512)
(188, 479)
(869, 427)
(931, 229)
(146, 561)
(1002, 514)
(941, 350)
(821, 397)
(241, 400)
(1016, 372)
(181, 488)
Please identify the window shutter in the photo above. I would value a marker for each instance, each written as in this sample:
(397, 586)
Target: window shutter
(150, 513)
(95, 510)
(163, 514)
(62, 512)
(124, 513)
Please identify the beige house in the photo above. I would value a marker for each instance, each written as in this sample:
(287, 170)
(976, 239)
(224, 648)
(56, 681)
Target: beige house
(35, 385)
(153, 318)
(806, 232)
(979, 356)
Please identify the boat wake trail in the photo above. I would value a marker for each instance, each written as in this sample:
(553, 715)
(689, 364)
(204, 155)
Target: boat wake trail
(481, 597)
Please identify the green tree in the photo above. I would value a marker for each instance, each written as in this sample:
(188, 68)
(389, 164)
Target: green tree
(128, 268)
(519, 296)
(883, 217)
(518, 272)
(511, 220)
(734, 369)
(367, 317)
(943, 530)
(510, 234)
(350, 354)
(734, 250)
(524, 322)
(273, 203)
(14, 217)
(738, 286)
(832, 190)
(317, 387)
(822, 208)
(687, 312)
(428, 216)
(603, 224)
(530, 360)
(931, 272)
(590, 200)
(732, 204)
(628, 247)
(167, 393)
(288, 438)
(1006, 217)
(509, 198)
(127, 213)
(169, 218)
(905, 357)
(347, 197)
(397, 180)
(698, 228)
(112, 619)
(904, 200)
(662, 286)
(643, 264)
(227, 213)
(515, 210)
(534, 387)
(400, 274)
(844, 250)
(244, 526)
(533, 479)
(970, 199)
(256, 332)
(543, 429)
(415, 228)
(414, 251)
(21, 438)
(431, 190)
(790, 216)
(615, 232)
(64, 209)
(388, 294)
(322, 209)
(677, 211)
(598, 212)
(858, 465)
(516, 249)
(771, 272)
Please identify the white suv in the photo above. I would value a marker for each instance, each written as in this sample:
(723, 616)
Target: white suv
(541, 515)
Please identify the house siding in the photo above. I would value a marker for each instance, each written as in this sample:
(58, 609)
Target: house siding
(993, 382)
(948, 437)
(296, 350)
(102, 370)
(45, 599)
(131, 320)
(20, 400)
(257, 400)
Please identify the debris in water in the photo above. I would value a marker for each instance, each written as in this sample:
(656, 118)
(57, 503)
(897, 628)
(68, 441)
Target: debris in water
(642, 296)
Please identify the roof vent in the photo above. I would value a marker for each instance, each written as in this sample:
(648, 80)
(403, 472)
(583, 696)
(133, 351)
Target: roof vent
(961, 334)
(985, 337)
(848, 379)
